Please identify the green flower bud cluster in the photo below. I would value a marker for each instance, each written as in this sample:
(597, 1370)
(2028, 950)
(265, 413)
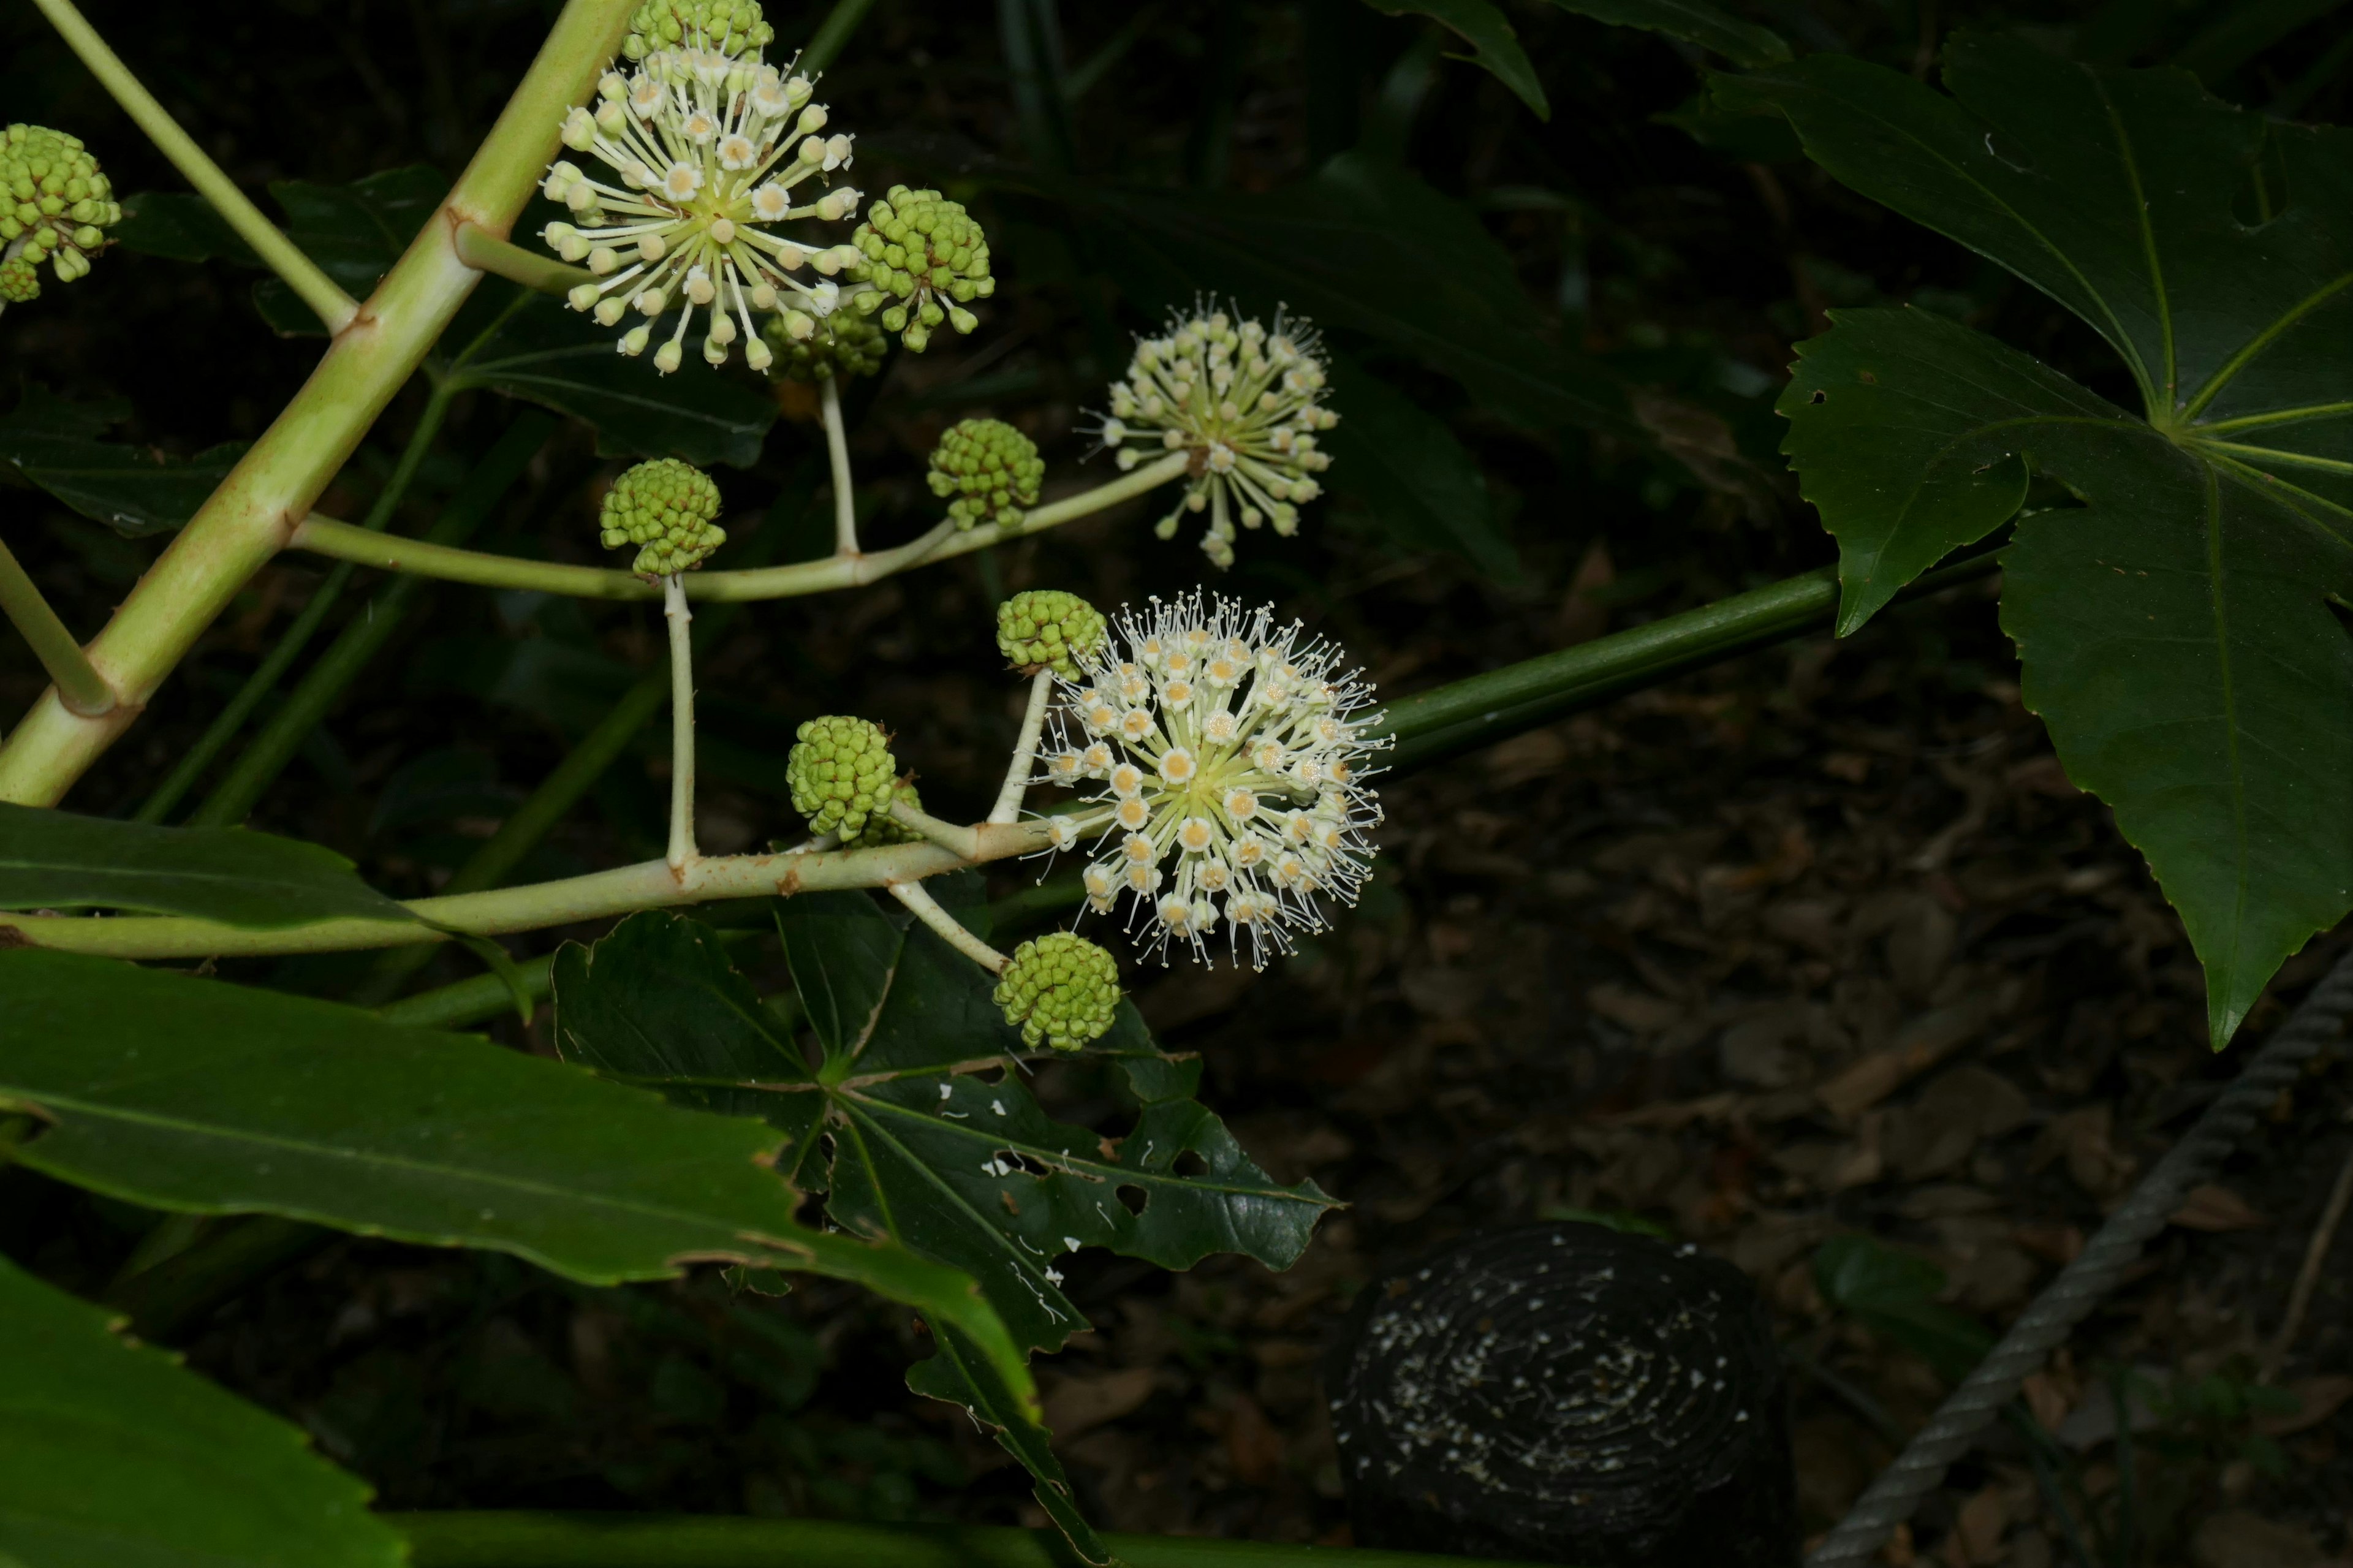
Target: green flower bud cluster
(883, 828)
(732, 27)
(54, 204)
(1060, 990)
(992, 469)
(925, 260)
(669, 510)
(844, 343)
(841, 775)
(1045, 628)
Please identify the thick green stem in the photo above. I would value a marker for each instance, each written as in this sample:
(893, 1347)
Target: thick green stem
(310, 284)
(326, 536)
(682, 1541)
(249, 519)
(485, 252)
(648, 885)
(296, 636)
(348, 656)
(79, 686)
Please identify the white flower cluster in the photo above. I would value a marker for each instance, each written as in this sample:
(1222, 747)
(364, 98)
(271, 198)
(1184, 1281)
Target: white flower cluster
(1227, 762)
(1239, 399)
(706, 149)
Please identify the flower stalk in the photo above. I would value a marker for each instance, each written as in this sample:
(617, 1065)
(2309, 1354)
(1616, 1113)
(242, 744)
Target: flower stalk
(323, 535)
(79, 685)
(837, 450)
(947, 927)
(1025, 750)
(310, 283)
(480, 250)
(682, 722)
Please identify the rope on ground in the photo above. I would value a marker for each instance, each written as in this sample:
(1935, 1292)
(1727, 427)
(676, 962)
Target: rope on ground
(2069, 1300)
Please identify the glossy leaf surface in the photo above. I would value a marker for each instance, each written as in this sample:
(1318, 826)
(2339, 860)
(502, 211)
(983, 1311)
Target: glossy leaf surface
(111, 1454)
(57, 859)
(2177, 630)
(1494, 48)
(199, 1096)
(135, 490)
(926, 1148)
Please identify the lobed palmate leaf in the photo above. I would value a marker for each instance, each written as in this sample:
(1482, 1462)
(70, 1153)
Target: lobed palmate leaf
(2182, 632)
(194, 1095)
(110, 1453)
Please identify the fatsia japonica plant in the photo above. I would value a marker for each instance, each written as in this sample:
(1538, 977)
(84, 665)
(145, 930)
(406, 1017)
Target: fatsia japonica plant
(1203, 772)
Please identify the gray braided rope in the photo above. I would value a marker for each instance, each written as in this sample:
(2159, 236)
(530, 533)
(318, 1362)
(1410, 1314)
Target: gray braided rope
(2069, 1299)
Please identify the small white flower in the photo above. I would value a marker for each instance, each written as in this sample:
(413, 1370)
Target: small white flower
(704, 151)
(1251, 812)
(1242, 402)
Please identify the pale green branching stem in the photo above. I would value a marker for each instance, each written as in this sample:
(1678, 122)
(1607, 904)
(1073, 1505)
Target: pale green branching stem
(837, 446)
(682, 722)
(927, 910)
(962, 842)
(310, 285)
(326, 535)
(1025, 750)
(79, 685)
(483, 251)
(651, 884)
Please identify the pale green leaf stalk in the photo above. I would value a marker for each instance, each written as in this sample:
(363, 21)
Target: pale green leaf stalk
(256, 511)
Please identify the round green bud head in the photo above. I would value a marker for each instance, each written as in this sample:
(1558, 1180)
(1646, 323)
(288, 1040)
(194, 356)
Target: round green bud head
(1060, 990)
(991, 470)
(55, 206)
(847, 344)
(669, 510)
(841, 775)
(883, 828)
(1045, 628)
(917, 249)
(733, 27)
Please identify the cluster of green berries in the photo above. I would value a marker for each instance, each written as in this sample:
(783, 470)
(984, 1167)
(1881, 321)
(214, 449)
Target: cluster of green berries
(845, 344)
(1060, 990)
(842, 775)
(883, 828)
(732, 27)
(54, 204)
(992, 469)
(670, 511)
(924, 260)
(1045, 628)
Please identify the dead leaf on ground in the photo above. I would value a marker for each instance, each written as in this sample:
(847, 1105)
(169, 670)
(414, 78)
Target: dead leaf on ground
(1975, 1540)
(2317, 1399)
(2216, 1208)
(1076, 1404)
(1639, 1011)
(1917, 1047)
(2237, 1539)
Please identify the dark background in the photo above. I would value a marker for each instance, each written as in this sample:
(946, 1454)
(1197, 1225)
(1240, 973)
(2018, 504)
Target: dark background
(1570, 931)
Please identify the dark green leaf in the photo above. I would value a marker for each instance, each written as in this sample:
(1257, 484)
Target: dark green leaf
(2175, 630)
(561, 359)
(55, 859)
(135, 491)
(1403, 465)
(199, 1096)
(1493, 45)
(927, 1150)
(179, 226)
(354, 232)
(111, 1454)
(957, 1374)
(2245, 29)
(1894, 1294)
(1694, 22)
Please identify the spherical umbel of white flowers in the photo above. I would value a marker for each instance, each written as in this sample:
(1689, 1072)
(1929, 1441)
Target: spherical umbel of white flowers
(704, 152)
(1227, 757)
(1240, 400)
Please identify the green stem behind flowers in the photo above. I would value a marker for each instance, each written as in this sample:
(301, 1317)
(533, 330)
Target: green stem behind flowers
(681, 621)
(310, 283)
(297, 636)
(247, 519)
(79, 685)
(326, 536)
(836, 448)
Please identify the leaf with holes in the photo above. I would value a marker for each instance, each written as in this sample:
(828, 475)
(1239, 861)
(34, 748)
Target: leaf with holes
(112, 1453)
(2183, 630)
(926, 1148)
